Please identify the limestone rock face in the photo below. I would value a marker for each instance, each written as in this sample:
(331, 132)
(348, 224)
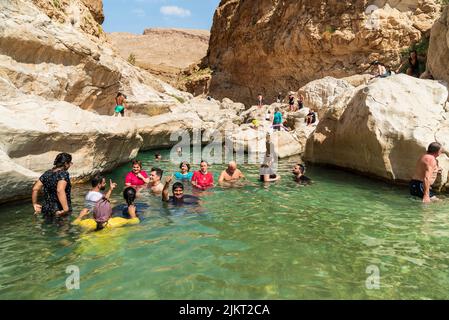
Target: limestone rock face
(60, 62)
(320, 94)
(33, 131)
(163, 52)
(381, 129)
(438, 55)
(271, 46)
(85, 14)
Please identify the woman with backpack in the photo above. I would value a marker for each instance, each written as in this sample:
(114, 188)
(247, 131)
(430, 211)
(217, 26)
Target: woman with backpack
(103, 214)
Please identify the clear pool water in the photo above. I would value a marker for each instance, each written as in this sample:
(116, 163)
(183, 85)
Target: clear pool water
(254, 242)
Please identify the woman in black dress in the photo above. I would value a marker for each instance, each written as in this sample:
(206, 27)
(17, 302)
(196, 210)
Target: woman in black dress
(57, 187)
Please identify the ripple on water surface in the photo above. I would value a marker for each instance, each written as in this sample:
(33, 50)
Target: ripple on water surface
(281, 241)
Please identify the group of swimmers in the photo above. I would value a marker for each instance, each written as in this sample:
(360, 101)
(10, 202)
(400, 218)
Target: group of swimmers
(56, 186)
(57, 202)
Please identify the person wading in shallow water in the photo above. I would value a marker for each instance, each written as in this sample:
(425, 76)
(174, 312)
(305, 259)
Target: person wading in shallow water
(231, 174)
(57, 188)
(178, 198)
(426, 173)
(137, 177)
(298, 174)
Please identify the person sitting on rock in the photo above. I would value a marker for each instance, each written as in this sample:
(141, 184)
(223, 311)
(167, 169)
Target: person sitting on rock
(311, 117)
(185, 173)
(156, 185)
(137, 177)
(298, 174)
(381, 70)
(279, 98)
(178, 198)
(414, 62)
(426, 173)
(94, 195)
(120, 105)
(231, 174)
(203, 179)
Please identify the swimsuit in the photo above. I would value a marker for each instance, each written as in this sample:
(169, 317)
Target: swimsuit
(120, 109)
(417, 189)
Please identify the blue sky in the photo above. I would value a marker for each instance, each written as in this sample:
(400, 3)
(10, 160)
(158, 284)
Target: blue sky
(136, 15)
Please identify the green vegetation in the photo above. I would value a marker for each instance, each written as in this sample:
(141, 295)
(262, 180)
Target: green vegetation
(421, 47)
(331, 29)
(132, 59)
(57, 4)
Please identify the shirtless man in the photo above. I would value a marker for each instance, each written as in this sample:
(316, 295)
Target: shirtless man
(231, 174)
(156, 185)
(426, 172)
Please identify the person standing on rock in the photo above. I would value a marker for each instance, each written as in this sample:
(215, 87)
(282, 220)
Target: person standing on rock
(300, 102)
(137, 177)
(291, 102)
(260, 100)
(120, 105)
(277, 120)
(414, 68)
(426, 173)
(57, 189)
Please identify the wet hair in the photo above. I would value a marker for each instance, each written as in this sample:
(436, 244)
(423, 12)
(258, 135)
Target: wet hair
(157, 155)
(276, 109)
(96, 181)
(61, 159)
(204, 161)
(119, 95)
(159, 172)
(185, 163)
(138, 162)
(302, 168)
(177, 185)
(434, 148)
(129, 194)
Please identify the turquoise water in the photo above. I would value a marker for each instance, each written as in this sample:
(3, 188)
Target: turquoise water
(254, 242)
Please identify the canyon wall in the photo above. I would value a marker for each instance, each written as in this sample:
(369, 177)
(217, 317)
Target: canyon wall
(271, 46)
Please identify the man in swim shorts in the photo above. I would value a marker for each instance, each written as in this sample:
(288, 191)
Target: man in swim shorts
(178, 198)
(426, 172)
(231, 174)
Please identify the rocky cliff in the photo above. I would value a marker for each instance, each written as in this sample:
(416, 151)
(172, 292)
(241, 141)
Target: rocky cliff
(52, 66)
(438, 56)
(274, 45)
(43, 55)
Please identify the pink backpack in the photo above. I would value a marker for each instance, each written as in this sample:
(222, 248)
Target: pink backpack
(102, 211)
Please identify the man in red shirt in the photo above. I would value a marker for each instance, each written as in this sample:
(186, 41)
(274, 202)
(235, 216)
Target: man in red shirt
(202, 179)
